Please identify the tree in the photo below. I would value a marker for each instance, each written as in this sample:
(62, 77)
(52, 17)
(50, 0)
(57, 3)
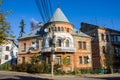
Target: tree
(109, 58)
(22, 26)
(33, 27)
(5, 32)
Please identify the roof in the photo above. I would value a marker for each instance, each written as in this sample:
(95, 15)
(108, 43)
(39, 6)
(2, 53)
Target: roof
(100, 27)
(37, 32)
(79, 33)
(58, 16)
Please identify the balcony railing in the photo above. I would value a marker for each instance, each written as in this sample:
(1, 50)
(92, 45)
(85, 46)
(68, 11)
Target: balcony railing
(59, 49)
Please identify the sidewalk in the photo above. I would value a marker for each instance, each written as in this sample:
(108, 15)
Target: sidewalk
(58, 76)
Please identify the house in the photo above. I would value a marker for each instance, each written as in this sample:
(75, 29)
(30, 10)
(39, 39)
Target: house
(8, 52)
(72, 49)
(30, 45)
(104, 40)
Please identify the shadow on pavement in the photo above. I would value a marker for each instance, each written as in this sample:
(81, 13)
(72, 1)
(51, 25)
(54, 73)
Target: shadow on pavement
(26, 78)
(106, 78)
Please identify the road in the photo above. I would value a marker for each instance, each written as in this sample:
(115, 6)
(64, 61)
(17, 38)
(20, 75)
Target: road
(8, 75)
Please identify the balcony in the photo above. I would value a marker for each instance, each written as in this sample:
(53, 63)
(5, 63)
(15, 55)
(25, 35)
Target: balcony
(59, 49)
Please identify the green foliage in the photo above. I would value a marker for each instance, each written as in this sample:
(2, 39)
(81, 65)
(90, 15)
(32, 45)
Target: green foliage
(4, 67)
(109, 58)
(84, 71)
(22, 26)
(59, 72)
(4, 25)
(32, 68)
(66, 61)
(35, 59)
(22, 67)
(95, 71)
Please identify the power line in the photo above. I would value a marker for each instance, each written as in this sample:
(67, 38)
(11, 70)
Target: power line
(45, 9)
(50, 7)
(40, 10)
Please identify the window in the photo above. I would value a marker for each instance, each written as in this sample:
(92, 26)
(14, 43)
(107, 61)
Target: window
(67, 43)
(68, 60)
(85, 59)
(80, 60)
(6, 57)
(80, 44)
(58, 28)
(102, 37)
(55, 29)
(103, 49)
(84, 45)
(7, 48)
(37, 44)
(23, 59)
(49, 30)
(58, 43)
(58, 60)
(24, 46)
(107, 38)
(33, 43)
(62, 29)
(67, 29)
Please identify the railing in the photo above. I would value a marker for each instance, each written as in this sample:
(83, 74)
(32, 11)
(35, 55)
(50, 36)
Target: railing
(59, 49)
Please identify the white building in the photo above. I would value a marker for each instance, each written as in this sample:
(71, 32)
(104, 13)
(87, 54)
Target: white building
(8, 52)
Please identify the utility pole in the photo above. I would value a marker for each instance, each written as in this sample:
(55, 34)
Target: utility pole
(52, 50)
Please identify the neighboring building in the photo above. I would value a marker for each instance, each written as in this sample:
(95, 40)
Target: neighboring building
(72, 48)
(103, 38)
(30, 45)
(8, 52)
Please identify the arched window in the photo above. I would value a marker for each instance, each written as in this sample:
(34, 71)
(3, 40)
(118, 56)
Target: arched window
(68, 30)
(58, 28)
(67, 43)
(55, 29)
(62, 29)
(7, 48)
(58, 43)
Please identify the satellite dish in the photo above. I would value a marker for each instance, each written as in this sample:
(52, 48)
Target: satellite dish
(46, 30)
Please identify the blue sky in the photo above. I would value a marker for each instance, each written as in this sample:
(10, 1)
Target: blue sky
(101, 12)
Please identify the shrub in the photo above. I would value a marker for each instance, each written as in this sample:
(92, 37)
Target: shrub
(59, 71)
(4, 66)
(22, 67)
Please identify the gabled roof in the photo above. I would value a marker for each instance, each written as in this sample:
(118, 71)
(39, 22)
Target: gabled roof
(37, 32)
(58, 16)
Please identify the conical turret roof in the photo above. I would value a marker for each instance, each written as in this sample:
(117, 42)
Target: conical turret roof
(58, 16)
